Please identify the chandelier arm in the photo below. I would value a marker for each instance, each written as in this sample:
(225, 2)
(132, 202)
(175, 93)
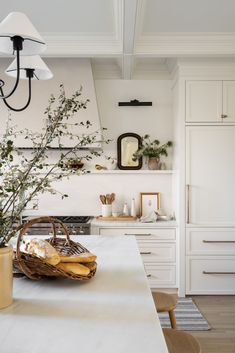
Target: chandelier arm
(17, 78)
(26, 105)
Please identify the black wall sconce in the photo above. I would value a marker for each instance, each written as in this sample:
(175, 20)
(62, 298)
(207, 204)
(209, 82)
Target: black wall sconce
(134, 103)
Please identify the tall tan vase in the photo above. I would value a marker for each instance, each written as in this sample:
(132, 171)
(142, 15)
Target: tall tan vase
(6, 276)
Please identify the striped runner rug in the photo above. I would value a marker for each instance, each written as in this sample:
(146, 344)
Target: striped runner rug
(188, 317)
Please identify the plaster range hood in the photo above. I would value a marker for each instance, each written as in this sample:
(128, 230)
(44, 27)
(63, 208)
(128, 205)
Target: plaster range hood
(73, 73)
(82, 71)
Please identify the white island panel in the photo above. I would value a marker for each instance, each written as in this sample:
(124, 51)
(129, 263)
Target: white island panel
(113, 312)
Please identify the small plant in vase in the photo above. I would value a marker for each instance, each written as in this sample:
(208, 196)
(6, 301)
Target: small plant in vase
(153, 150)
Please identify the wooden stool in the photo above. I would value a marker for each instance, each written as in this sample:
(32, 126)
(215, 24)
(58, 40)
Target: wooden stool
(166, 303)
(180, 342)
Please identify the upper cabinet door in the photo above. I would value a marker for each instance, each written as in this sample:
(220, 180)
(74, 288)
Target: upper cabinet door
(204, 101)
(228, 101)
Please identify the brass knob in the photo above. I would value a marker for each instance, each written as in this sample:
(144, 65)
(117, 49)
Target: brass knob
(223, 116)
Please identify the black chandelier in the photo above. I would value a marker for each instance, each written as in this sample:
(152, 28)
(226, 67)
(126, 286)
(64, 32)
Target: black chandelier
(19, 37)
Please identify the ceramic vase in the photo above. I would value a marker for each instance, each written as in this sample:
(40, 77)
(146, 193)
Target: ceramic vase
(154, 163)
(6, 276)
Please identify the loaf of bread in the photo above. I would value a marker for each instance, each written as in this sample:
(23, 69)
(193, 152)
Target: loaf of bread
(91, 265)
(75, 268)
(81, 258)
(41, 248)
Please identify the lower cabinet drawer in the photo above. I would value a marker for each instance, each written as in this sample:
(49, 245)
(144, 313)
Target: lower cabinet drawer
(161, 276)
(210, 241)
(142, 233)
(210, 275)
(157, 252)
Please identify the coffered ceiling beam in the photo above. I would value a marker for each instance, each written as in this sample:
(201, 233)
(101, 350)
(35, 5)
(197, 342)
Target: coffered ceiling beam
(129, 25)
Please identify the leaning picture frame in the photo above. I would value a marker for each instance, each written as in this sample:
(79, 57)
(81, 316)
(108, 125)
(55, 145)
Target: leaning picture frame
(149, 202)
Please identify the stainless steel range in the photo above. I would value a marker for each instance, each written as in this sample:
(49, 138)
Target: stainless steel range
(79, 225)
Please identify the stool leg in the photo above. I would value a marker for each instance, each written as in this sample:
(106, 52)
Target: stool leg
(172, 319)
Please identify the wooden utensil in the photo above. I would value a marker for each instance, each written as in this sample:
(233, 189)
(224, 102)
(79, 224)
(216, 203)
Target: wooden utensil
(103, 199)
(108, 199)
(112, 197)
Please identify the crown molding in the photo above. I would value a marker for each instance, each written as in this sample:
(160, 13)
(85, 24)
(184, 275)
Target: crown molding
(186, 44)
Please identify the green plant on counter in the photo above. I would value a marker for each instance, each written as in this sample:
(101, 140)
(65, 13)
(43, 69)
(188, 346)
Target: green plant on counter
(24, 175)
(151, 148)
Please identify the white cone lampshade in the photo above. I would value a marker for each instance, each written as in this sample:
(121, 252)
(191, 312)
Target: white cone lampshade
(41, 70)
(18, 24)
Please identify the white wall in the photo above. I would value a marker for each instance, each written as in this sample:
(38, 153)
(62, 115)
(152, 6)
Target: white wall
(84, 193)
(157, 121)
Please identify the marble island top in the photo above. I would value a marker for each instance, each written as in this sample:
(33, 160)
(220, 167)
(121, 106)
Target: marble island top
(112, 312)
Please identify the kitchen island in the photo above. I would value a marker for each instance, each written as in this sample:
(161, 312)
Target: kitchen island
(112, 313)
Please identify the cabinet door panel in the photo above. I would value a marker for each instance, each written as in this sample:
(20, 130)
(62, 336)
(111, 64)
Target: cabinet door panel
(210, 173)
(203, 101)
(229, 101)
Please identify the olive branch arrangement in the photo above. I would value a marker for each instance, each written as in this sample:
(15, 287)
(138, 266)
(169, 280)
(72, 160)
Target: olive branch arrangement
(23, 176)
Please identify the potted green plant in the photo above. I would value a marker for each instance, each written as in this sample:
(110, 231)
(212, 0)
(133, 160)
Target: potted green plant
(153, 150)
(22, 177)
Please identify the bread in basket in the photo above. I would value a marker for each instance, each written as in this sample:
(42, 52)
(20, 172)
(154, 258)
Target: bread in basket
(36, 267)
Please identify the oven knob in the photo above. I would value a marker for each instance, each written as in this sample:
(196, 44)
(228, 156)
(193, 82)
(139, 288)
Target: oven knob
(73, 231)
(59, 231)
(81, 231)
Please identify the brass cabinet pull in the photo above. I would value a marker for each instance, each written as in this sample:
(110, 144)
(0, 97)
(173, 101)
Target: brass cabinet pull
(224, 116)
(219, 241)
(218, 273)
(143, 234)
(188, 203)
(149, 275)
(145, 253)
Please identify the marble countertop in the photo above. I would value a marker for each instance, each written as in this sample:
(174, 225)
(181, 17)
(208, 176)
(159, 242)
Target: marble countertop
(113, 312)
(161, 224)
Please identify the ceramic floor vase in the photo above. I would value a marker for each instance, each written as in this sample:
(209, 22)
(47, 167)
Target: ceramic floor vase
(154, 163)
(6, 276)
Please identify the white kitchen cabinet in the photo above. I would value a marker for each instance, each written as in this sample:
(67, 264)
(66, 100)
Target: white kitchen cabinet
(210, 212)
(210, 175)
(229, 101)
(210, 101)
(157, 246)
(210, 264)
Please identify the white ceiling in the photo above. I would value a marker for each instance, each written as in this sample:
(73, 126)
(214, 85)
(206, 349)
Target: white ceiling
(129, 37)
(189, 16)
(76, 16)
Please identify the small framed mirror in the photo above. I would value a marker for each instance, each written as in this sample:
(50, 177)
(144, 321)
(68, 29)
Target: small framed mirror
(127, 145)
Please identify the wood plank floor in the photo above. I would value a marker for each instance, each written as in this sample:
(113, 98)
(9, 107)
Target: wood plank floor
(220, 313)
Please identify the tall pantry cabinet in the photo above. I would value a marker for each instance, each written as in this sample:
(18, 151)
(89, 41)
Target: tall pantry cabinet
(206, 120)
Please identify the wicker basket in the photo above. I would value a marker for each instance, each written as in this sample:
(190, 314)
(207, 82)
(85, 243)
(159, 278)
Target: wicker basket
(35, 267)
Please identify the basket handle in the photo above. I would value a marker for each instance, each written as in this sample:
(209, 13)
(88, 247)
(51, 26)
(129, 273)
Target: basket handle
(39, 220)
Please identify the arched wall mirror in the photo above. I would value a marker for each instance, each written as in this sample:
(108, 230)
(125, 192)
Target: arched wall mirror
(127, 144)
